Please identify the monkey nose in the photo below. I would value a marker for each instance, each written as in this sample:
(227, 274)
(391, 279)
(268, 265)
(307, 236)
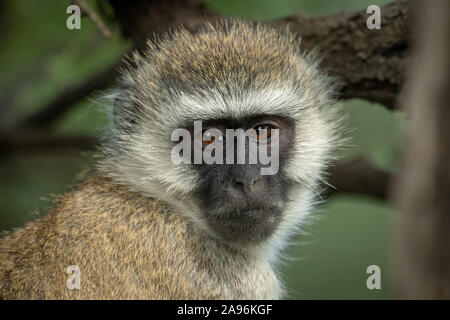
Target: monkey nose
(246, 184)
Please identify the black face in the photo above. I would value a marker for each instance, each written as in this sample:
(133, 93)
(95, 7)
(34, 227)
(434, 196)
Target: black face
(239, 202)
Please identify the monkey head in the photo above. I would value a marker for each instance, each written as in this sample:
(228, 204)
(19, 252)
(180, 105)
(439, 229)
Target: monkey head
(227, 76)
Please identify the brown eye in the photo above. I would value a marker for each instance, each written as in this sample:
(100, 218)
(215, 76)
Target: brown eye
(208, 137)
(263, 131)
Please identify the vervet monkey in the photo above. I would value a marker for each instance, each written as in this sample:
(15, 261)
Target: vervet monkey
(141, 226)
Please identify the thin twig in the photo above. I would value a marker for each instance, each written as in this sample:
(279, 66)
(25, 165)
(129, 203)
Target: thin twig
(86, 9)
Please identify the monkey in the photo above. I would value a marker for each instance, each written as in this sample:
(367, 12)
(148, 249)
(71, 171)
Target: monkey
(140, 226)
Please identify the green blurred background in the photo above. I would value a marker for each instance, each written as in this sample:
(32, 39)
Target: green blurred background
(40, 57)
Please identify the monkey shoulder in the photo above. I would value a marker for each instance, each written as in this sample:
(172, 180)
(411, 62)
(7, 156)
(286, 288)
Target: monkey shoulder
(125, 246)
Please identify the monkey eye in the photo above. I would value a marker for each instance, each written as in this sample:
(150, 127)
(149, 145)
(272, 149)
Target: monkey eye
(209, 136)
(263, 131)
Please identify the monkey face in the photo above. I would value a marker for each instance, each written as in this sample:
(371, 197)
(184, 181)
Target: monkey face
(229, 76)
(241, 202)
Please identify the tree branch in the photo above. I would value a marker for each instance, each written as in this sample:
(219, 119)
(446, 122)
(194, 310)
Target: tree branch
(86, 9)
(62, 103)
(37, 141)
(370, 63)
(358, 176)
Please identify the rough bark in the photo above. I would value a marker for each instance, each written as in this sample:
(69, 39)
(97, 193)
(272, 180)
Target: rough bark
(422, 192)
(370, 63)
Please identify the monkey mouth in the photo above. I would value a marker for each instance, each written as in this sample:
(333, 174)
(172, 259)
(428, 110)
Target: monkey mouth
(247, 224)
(249, 211)
(239, 214)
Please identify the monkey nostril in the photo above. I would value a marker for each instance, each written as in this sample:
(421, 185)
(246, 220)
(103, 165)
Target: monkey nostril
(239, 182)
(246, 183)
